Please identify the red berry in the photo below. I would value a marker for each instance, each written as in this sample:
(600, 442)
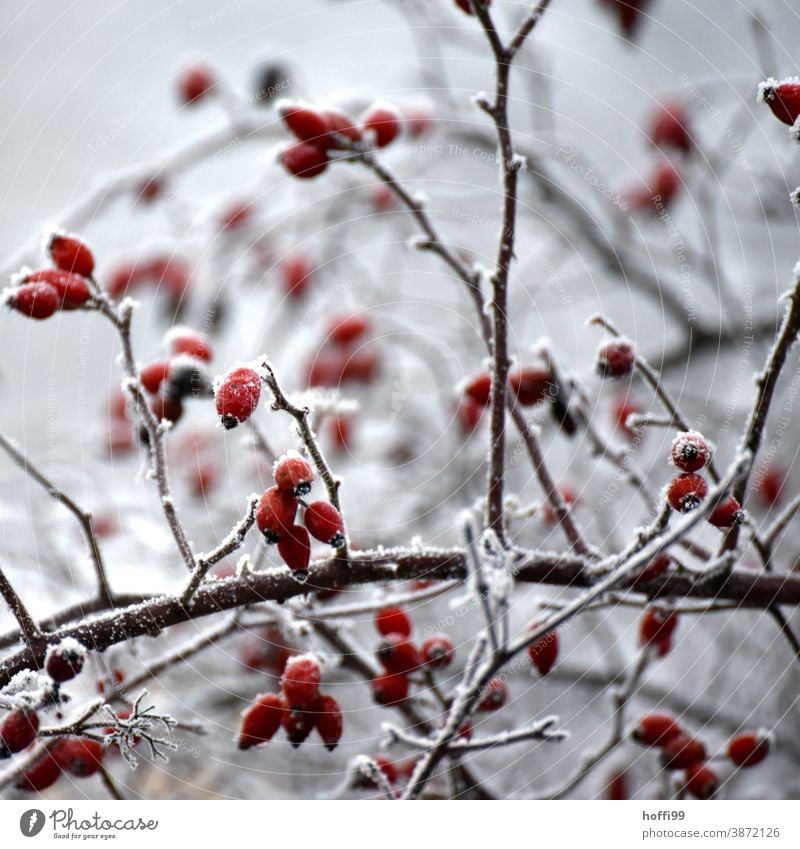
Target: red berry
(35, 300)
(782, 98)
(657, 625)
(298, 724)
(494, 696)
(466, 5)
(165, 407)
(657, 566)
(71, 254)
(544, 652)
(668, 127)
(261, 720)
(629, 14)
(568, 495)
(623, 408)
(73, 290)
(393, 620)
(42, 774)
(293, 474)
(690, 451)
(152, 376)
(749, 748)
(65, 660)
(275, 514)
(682, 751)
(294, 547)
(346, 329)
(18, 730)
(150, 190)
(340, 430)
(397, 654)
(469, 415)
(656, 729)
(479, 389)
(325, 523)
(304, 160)
(617, 787)
(438, 651)
(389, 689)
(340, 124)
(303, 121)
(701, 782)
(616, 358)
(194, 83)
(236, 215)
(686, 492)
(388, 768)
(769, 485)
(181, 340)
(384, 122)
(360, 367)
(726, 514)
(530, 385)
(296, 275)
(666, 181)
(237, 395)
(80, 757)
(329, 721)
(300, 680)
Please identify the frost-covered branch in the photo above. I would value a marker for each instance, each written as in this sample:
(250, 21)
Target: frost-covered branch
(29, 631)
(233, 541)
(542, 729)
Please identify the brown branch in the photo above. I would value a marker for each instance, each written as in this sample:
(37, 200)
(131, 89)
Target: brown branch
(746, 587)
(28, 629)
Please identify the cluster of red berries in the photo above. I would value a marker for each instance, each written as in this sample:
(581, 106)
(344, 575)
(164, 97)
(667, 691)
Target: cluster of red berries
(400, 656)
(681, 751)
(181, 376)
(343, 356)
(691, 452)
(322, 131)
(299, 709)
(20, 727)
(668, 131)
(236, 395)
(528, 385)
(276, 515)
(40, 294)
(168, 274)
(783, 98)
(77, 757)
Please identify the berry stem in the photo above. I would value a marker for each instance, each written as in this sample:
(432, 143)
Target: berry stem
(309, 439)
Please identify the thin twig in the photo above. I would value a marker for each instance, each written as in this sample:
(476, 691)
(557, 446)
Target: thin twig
(84, 517)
